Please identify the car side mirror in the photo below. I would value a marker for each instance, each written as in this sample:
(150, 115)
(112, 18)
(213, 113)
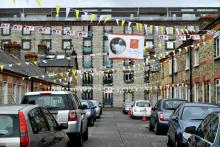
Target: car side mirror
(174, 118)
(191, 130)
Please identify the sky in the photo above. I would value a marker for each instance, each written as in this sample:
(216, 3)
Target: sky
(107, 3)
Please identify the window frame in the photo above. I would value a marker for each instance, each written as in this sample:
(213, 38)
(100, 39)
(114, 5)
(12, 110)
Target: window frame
(67, 40)
(6, 34)
(166, 44)
(217, 47)
(26, 40)
(196, 57)
(46, 41)
(129, 76)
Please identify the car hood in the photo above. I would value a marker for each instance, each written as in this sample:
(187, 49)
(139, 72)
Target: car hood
(188, 123)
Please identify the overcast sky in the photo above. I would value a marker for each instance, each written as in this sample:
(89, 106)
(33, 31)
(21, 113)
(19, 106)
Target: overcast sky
(108, 3)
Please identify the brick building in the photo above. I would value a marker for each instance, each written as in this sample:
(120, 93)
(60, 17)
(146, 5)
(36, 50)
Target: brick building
(130, 81)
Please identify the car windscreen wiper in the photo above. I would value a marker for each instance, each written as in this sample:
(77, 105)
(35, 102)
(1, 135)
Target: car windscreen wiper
(51, 107)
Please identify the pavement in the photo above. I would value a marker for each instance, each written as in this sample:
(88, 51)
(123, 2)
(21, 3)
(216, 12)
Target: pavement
(116, 129)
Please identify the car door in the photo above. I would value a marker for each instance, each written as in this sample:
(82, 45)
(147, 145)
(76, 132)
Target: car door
(39, 135)
(206, 132)
(58, 136)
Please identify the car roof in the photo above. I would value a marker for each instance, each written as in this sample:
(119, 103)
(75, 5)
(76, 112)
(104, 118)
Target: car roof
(13, 109)
(173, 99)
(199, 104)
(142, 101)
(51, 92)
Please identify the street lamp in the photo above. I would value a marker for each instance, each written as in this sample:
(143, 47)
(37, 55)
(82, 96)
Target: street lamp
(71, 47)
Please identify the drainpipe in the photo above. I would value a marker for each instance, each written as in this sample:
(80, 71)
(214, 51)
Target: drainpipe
(172, 76)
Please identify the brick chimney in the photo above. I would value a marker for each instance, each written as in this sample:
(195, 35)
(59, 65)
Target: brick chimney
(31, 57)
(13, 48)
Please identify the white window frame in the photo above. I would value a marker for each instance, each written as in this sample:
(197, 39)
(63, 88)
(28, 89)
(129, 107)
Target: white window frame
(149, 44)
(87, 43)
(196, 57)
(26, 44)
(170, 44)
(175, 63)
(187, 62)
(217, 46)
(217, 86)
(6, 31)
(5, 92)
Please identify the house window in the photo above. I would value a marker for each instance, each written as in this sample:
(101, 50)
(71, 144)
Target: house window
(107, 62)
(66, 44)
(170, 67)
(128, 30)
(87, 46)
(87, 79)
(218, 90)
(4, 42)
(128, 62)
(129, 76)
(128, 95)
(26, 44)
(25, 31)
(87, 28)
(87, 61)
(175, 63)
(149, 44)
(19, 93)
(15, 93)
(217, 46)
(108, 78)
(48, 43)
(5, 93)
(65, 29)
(207, 92)
(87, 94)
(187, 61)
(169, 30)
(170, 45)
(6, 31)
(196, 62)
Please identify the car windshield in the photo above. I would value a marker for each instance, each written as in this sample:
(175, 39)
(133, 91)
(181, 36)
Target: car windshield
(143, 104)
(172, 104)
(95, 103)
(197, 112)
(85, 103)
(51, 102)
(9, 126)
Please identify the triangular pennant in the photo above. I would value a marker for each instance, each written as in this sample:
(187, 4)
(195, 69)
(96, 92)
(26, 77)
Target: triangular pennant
(92, 17)
(117, 21)
(1, 67)
(67, 11)
(106, 19)
(38, 2)
(122, 23)
(57, 10)
(137, 26)
(77, 14)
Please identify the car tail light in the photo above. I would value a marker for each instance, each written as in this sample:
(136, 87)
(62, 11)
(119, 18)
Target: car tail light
(72, 115)
(24, 139)
(161, 117)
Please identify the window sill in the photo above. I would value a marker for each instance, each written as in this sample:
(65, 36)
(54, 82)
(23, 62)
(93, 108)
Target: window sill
(217, 58)
(186, 69)
(196, 65)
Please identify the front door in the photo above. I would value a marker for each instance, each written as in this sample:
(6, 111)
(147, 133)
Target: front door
(108, 99)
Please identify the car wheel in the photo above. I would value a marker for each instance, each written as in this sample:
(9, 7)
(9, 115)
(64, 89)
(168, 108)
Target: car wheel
(151, 127)
(156, 128)
(86, 134)
(176, 144)
(99, 116)
(92, 122)
(79, 140)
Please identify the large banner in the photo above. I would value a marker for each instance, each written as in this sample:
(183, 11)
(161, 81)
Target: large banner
(126, 46)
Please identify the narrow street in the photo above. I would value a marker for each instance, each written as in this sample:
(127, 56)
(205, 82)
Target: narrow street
(115, 129)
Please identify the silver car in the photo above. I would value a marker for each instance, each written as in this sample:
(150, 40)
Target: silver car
(66, 108)
(126, 106)
(30, 126)
(98, 108)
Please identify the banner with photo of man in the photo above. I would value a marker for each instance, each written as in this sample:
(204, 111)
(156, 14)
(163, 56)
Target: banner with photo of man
(126, 46)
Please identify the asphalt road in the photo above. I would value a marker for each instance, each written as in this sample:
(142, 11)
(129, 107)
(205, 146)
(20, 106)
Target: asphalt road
(115, 129)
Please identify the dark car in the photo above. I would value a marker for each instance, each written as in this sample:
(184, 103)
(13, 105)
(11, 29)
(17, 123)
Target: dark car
(186, 115)
(90, 111)
(207, 134)
(161, 114)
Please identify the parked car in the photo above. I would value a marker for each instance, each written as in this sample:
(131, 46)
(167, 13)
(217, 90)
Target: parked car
(141, 108)
(66, 108)
(126, 106)
(90, 111)
(161, 114)
(30, 126)
(98, 108)
(207, 134)
(186, 115)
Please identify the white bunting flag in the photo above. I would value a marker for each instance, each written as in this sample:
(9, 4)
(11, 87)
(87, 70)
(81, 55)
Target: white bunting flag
(129, 24)
(181, 37)
(83, 34)
(5, 25)
(157, 29)
(145, 27)
(17, 27)
(117, 21)
(67, 11)
(44, 30)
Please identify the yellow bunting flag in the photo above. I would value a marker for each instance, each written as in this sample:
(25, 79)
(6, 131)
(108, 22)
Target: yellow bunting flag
(151, 28)
(35, 62)
(163, 29)
(122, 23)
(106, 19)
(58, 9)
(1, 67)
(14, 1)
(19, 64)
(186, 48)
(159, 45)
(77, 14)
(203, 37)
(137, 26)
(68, 58)
(141, 26)
(38, 2)
(92, 17)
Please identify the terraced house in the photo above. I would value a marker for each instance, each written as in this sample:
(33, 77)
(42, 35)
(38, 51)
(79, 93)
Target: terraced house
(192, 71)
(123, 79)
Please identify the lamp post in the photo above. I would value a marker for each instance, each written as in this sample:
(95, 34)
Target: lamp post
(68, 82)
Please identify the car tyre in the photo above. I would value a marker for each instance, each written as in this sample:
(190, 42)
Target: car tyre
(151, 127)
(92, 122)
(86, 134)
(169, 142)
(79, 140)
(99, 116)
(156, 129)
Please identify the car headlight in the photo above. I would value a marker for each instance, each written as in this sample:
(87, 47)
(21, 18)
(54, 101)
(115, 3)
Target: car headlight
(88, 113)
(186, 135)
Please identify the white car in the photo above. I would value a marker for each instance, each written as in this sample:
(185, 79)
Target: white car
(141, 108)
